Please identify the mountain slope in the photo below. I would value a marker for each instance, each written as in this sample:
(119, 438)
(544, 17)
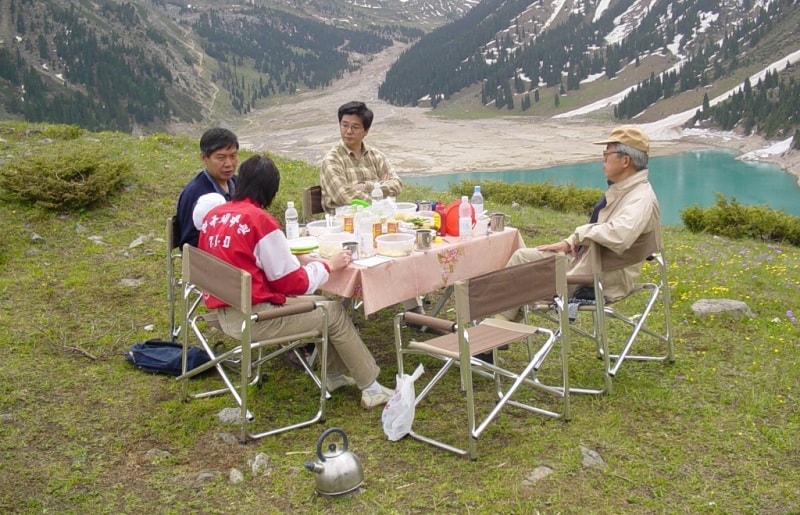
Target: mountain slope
(550, 51)
(141, 65)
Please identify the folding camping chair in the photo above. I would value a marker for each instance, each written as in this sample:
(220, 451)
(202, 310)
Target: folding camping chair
(173, 281)
(207, 273)
(312, 202)
(173, 255)
(475, 333)
(632, 311)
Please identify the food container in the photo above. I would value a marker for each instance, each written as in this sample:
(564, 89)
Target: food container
(377, 229)
(425, 205)
(404, 210)
(349, 223)
(320, 227)
(331, 243)
(422, 220)
(481, 225)
(395, 245)
(344, 210)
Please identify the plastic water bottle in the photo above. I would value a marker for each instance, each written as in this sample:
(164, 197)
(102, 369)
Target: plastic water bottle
(464, 219)
(290, 218)
(477, 201)
(363, 225)
(377, 194)
(377, 199)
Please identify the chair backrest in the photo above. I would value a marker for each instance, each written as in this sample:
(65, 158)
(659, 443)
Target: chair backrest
(173, 230)
(217, 278)
(646, 245)
(312, 202)
(511, 287)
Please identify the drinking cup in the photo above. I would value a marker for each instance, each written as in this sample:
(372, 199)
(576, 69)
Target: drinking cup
(497, 222)
(424, 239)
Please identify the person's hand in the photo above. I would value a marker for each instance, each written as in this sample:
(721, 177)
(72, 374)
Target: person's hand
(339, 260)
(360, 186)
(561, 246)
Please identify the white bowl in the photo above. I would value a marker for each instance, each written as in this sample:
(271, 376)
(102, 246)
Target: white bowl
(331, 243)
(320, 227)
(395, 245)
(405, 209)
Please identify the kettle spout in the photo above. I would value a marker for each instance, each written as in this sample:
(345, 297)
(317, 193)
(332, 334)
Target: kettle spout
(314, 467)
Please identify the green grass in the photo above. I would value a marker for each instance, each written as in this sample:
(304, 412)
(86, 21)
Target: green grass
(716, 432)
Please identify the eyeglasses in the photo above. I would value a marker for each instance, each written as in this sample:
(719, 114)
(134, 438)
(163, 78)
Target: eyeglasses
(606, 153)
(350, 126)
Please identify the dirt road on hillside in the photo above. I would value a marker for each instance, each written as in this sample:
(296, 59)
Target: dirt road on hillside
(305, 127)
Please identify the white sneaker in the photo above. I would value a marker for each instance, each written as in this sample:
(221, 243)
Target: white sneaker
(373, 400)
(333, 383)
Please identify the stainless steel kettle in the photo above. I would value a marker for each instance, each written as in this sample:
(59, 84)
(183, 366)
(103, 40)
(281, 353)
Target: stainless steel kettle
(337, 471)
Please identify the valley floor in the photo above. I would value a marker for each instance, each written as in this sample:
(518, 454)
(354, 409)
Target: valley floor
(417, 142)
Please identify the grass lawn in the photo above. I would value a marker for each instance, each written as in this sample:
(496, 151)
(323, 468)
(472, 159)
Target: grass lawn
(81, 430)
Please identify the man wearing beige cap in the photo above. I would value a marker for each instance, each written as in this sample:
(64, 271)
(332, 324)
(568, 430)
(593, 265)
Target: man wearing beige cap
(628, 209)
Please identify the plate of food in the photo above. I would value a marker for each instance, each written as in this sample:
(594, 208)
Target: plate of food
(303, 245)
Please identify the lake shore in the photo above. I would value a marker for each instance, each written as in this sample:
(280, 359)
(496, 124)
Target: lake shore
(418, 142)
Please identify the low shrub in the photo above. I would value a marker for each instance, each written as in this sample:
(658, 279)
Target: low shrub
(65, 175)
(733, 220)
(22, 130)
(564, 199)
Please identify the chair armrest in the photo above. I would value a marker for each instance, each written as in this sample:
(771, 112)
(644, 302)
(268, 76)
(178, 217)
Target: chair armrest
(580, 280)
(285, 311)
(445, 326)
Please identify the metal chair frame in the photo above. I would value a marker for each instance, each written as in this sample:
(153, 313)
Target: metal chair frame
(648, 247)
(206, 273)
(475, 332)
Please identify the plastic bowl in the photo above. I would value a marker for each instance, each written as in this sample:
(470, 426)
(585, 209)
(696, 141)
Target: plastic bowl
(405, 210)
(319, 227)
(395, 245)
(345, 210)
(331, 243)
(426, 217)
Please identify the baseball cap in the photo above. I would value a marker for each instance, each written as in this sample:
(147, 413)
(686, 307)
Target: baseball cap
(630, 135)
(204, 204)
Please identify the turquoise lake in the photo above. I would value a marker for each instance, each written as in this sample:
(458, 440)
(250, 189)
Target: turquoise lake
(681, 180)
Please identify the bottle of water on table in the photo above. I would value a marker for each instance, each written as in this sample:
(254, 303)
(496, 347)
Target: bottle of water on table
(477, 201)
(290, 218)
(376, 195)
(363, 226)
(464, 219)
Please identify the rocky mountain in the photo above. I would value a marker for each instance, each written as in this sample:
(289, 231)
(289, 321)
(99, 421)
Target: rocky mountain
(141, 65)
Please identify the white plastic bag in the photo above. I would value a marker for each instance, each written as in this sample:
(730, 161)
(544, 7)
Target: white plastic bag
(398, 414)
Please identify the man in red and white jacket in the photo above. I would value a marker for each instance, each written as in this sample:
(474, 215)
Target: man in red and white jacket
(243, 234)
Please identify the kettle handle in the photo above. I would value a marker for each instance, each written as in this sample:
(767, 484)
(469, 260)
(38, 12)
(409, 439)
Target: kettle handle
(325, 434)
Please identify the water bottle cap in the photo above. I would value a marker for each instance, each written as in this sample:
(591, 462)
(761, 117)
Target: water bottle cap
(464, 199)
(290, 204)
(477, 188)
